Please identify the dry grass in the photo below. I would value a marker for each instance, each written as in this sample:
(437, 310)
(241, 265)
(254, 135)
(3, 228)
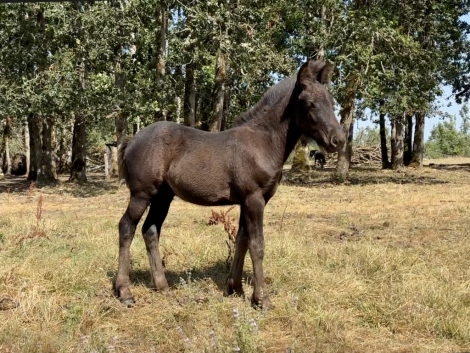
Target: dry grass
(379, 265)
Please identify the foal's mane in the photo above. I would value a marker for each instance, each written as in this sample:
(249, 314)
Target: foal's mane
(270, 97)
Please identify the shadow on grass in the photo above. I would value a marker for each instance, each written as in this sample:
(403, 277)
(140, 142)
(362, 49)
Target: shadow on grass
(96, 185)
(360, 176)
(451, 167)
(216, 271)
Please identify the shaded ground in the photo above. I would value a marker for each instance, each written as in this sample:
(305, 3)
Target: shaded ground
(96, 185)
(428, 175)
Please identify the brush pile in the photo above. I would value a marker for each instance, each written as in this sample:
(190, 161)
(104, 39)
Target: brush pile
(367, 155)
(361, 155)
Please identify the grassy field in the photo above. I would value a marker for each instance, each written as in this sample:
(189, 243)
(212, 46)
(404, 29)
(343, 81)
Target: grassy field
(381, 264)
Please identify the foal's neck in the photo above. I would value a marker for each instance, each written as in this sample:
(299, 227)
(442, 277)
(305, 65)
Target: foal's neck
(279, 123)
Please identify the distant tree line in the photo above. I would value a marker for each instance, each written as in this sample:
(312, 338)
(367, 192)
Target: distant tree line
(77, 75)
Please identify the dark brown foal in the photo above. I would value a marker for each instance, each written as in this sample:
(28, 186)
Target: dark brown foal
(241, 166)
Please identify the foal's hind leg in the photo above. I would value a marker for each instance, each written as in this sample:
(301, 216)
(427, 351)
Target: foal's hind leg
(127, 225)
(234, 280)
(151, 229)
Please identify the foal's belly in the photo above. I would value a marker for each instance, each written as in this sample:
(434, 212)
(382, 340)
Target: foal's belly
(201, 186)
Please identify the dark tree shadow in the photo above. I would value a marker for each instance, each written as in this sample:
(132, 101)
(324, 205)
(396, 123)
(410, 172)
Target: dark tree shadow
(14, 184)
(96, 185)
(451, 167)
(359, 176)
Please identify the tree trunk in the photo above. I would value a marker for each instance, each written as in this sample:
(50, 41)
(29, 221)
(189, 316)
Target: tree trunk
(189, 105)
(408, 149)
(300, 161)
(344, 155)
(34, 125)
(2, 176)
(121, 128)
(26, 144)
(114, 162)
(397, 143)
(162, 45)
(78, 168)
(62, 149)
(136, 125)
(226, 107)
(418, 144)
(6, 145)
(219, 93)
(47, 172)
(393, 138)
(383, 143)
(121, 131)
(119, 80)
(178, 109)
(349, 150)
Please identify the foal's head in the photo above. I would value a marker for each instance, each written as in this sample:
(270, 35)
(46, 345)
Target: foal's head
(314, 112)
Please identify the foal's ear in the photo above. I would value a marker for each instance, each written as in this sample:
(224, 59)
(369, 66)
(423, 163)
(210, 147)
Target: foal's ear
(314, 70)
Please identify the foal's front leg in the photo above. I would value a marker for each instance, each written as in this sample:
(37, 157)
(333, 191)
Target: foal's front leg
(254, 210)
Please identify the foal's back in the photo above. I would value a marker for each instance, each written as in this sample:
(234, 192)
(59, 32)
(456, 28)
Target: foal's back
(206, 168)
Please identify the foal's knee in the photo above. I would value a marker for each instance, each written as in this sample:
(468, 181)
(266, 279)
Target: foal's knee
(257, 248)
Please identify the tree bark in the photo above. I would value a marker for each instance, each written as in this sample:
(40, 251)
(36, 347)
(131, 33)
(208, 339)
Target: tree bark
(300, 161)
(393, 138)
(226, 107)
(79, 152)
(418, 144)
(219, 93)
(349, 150)
(397, 143)
(47, 172)
(136, 125)
(162, 45)
(114, 162)
(121, 128)
(344, 155)
(383, 142)
(408, 148)
(26, 144)
(62, 149)
(120, 119)
(6, 146)
(2, 176)
(34, 125)
(189, 105)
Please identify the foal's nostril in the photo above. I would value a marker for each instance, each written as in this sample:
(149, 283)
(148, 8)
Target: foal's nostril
(334, 142)
(337, 141)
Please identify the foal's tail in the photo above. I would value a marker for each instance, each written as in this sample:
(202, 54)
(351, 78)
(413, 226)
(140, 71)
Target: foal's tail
(121, 162)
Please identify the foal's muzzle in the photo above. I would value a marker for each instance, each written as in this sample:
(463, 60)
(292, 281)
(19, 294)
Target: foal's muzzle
(336, 142)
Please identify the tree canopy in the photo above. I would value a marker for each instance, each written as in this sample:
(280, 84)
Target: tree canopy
(121, 63)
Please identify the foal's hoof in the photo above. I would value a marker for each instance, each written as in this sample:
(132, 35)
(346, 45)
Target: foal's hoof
(125, 296)
(231, 289)
(264, 303)
(128, 303)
